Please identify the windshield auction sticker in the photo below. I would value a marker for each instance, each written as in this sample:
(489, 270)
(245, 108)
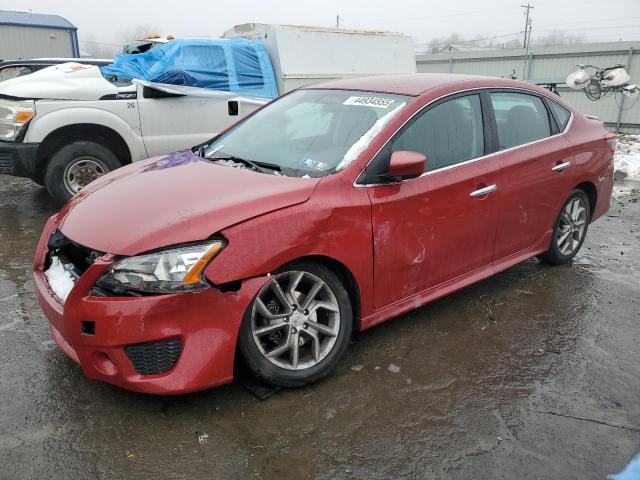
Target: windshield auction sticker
(377, 102)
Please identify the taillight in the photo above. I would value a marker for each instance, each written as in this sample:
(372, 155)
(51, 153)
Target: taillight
(612, 140)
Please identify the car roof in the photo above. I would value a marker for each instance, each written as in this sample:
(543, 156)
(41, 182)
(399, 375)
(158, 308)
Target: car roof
(415, 84)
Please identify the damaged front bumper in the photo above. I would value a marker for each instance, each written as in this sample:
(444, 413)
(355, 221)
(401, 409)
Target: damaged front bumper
(160, 344)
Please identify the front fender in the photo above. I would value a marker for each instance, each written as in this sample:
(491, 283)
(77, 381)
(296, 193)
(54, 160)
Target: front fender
(47, 121)
(337, 226)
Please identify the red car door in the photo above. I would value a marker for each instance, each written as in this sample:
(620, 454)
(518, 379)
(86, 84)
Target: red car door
(535, 160)
(434, 228)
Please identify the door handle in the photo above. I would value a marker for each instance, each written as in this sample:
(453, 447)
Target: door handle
(561, 166)
(483, 191)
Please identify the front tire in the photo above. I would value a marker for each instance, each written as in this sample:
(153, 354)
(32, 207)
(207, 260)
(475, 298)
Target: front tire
(76, 165)
(570, 229)
(297, 327)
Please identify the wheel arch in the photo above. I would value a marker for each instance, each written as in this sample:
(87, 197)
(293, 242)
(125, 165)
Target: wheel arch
(345, 275)
(592, 194)
(101, 134)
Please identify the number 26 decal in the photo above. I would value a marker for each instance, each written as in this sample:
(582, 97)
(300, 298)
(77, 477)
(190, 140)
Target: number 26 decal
(131, 104)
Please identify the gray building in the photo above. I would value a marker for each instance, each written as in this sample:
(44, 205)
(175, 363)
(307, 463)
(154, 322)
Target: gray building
(553, 64)
(26, 35)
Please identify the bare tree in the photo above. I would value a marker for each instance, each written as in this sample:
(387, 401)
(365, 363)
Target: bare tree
(91, 47)
(559, 37)
(438, 43)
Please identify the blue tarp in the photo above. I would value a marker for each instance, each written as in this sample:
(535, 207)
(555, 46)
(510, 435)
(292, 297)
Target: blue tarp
(237, 65)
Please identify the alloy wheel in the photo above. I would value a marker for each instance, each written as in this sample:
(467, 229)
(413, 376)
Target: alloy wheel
(295, 320)
(572, 226)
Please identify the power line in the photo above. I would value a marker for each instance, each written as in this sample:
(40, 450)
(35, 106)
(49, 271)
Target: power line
(474, 40)
(551, 30)
(446, 15)
(102, 43)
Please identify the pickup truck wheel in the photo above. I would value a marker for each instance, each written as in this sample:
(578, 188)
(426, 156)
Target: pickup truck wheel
(76, 165)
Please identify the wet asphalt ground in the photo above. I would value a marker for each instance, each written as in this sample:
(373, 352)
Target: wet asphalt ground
(534, 373)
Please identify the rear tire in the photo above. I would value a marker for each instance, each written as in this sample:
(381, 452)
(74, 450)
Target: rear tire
(76, 165)
(297, 341)
(570, 229)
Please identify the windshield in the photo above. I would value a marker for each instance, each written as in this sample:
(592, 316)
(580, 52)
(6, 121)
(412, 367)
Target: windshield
(309, 132)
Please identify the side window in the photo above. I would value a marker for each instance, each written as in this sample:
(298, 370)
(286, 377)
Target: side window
(520, 118)
(448, 133)
(8, 73)
(199, 57)
(247, 66)
(561, 114)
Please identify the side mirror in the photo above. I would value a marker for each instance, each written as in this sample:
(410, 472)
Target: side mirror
(406, 164)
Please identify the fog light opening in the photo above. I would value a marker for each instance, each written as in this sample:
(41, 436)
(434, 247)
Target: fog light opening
(104, 364)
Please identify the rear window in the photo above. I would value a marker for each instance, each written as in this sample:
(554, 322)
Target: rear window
(521, 118)
(561, 114)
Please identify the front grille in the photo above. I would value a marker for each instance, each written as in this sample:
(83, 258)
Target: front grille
(154, 357)
(71, 253)
(6, 163)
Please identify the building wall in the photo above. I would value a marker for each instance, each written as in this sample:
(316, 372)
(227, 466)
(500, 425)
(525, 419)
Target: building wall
(34, 42)
(552, 64)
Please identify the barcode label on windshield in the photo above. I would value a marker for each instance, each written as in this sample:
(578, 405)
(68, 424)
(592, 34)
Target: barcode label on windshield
(377, 102)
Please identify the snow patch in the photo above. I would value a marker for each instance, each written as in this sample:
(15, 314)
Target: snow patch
(364, 141)
(627, 157)
(60, 281)
(229, 163)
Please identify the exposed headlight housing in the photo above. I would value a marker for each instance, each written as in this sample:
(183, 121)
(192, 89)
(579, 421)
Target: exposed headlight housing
(172, 270)
(14, 115)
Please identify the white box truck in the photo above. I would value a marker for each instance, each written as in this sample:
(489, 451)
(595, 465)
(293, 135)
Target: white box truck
(65, 125)
(305, 55)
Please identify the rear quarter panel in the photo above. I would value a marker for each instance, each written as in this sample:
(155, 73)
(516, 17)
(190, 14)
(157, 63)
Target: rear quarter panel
(592, 160)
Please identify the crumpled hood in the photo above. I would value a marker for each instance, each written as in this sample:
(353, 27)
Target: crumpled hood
(67, 81)
(171, 200)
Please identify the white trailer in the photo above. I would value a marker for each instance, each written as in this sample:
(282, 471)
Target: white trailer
(303, 55)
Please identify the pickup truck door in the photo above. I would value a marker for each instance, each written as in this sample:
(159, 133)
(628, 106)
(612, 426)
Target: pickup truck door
(173, 122)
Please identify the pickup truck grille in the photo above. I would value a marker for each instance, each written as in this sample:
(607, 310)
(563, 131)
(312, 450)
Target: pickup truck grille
(6, 163)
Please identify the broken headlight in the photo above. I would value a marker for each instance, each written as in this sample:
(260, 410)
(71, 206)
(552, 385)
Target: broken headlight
(172, 270)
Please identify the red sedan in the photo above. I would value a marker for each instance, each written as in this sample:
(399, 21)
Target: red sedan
(330, 210)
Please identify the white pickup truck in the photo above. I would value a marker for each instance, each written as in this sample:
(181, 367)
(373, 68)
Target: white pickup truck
(66, 125)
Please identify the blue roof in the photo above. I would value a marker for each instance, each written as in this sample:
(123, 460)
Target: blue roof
(26, 19)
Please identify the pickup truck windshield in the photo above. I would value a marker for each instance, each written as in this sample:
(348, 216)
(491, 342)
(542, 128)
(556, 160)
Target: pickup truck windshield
(309, 132)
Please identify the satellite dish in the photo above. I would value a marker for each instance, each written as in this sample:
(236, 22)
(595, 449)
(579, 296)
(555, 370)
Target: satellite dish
(616, 77)
(578, 79)
(632, 91)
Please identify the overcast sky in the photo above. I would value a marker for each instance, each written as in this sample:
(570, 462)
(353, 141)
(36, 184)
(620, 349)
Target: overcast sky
(109, 21)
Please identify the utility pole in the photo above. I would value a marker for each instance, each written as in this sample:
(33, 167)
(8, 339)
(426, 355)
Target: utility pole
(337, 21)
(527, 39)
(528, 6)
